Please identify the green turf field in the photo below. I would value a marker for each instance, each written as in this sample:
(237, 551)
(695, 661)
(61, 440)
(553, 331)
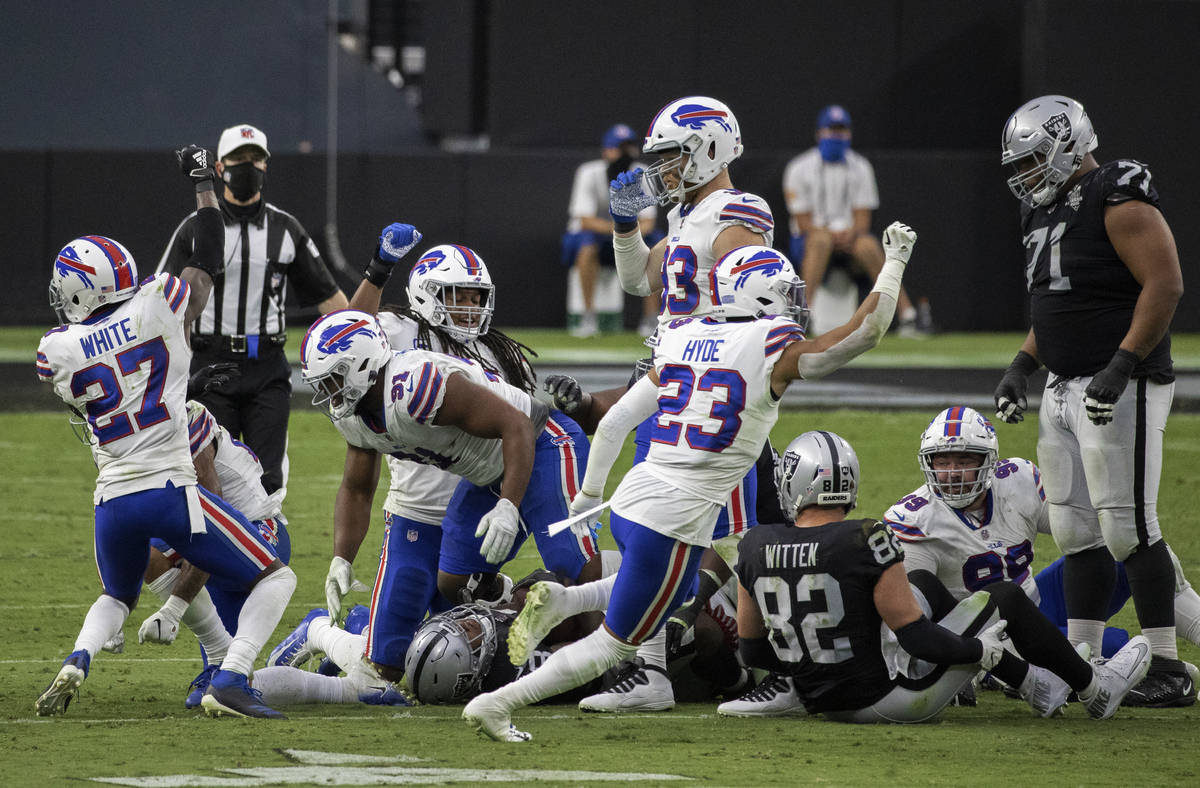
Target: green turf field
(129, 722)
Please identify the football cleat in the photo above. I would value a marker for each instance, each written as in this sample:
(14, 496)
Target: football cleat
(293, 651)
(65, 686)
(357, 619)
(1047, 693)
(231, 695)
(387, 695)
(1117, 676)
(775, 696)
(1168, 684)
(540, 615)
(199, 686)
(487, 717)
(639, 687)
(116, 643)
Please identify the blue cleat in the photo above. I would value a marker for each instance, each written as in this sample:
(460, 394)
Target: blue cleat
(230, 694)
(357, 619)
(328, 667)
(199, 686)
(66, 684)
(387, 695)
(293, 651)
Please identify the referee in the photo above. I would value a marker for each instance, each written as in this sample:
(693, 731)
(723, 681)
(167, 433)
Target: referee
(266, 249)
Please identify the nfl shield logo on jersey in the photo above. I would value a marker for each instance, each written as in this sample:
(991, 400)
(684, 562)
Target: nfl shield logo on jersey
(412, 534)
(1058, 127)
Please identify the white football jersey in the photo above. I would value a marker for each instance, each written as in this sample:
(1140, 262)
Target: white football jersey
(691, 231)
(127, 372)
(716, 409)
(416, 385)
(419, 492)
(238, 468)
(967, 553)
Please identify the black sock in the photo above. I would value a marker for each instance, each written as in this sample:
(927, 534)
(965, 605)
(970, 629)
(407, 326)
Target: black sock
(1089, 578)
(1036, 638)
(1152, 583)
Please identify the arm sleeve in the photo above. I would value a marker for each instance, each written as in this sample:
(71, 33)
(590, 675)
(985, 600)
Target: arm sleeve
(208, 242)
(179, 248)
(634, 407)
(932, 643)
(813, 366)
(308, 273)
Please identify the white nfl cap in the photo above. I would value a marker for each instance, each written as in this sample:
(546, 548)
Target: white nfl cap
(235, 137)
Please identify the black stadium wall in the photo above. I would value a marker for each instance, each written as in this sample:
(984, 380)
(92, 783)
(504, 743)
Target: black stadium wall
(928, 82)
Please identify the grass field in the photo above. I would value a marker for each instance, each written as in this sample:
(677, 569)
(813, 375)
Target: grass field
(129, 725)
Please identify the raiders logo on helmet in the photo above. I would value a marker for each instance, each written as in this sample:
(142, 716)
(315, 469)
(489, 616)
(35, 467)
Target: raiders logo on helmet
(1058, 127)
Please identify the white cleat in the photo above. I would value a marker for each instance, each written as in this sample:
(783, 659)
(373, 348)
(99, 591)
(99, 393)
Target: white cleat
(775, 696)
(1049, 693)
(58, 695)
(540, 615)
(487, 717)
(1117, 676)
(641, 687)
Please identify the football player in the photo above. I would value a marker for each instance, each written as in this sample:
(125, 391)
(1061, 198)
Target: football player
(715, 385)
(1104, 279)
(812, 596)
(121, 359)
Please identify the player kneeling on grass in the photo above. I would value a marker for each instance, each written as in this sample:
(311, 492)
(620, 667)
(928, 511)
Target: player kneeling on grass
(716, 383)
(831, 642)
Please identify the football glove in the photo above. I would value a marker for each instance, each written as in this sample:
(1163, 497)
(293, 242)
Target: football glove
(1010, 394)
(395, 241)
(213, 376)
(581, 503)
(196, 163)
(1101, 395)
(499, 529)
(679, 623)
(898, 242)
(339, 582)
(565, 393)
(993, 648)
(626, 199)
(163, 624)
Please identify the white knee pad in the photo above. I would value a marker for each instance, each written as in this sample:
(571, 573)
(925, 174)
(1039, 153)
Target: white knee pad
(1075, 529)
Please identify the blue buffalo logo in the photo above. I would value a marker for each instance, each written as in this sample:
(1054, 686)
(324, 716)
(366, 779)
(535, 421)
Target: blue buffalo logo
(337, 338)
(768, 263)
(694, 116)
(429, 262)
(68, 263)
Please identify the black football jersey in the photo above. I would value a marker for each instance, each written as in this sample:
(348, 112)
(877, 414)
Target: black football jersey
(1081, 295)
(502, 671)
(816, 589)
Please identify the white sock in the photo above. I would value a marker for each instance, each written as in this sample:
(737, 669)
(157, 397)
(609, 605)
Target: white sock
(283, 686)
(587, 597)
(654, 650)
(569, 667)
(1162, 641)
(162, 585)
(103, 621)
(1187, 615)
(336, 643)
(610, 562)
(1088, 692)
(1086, 630)
(201, 617)
(908, 314)
(260, 615)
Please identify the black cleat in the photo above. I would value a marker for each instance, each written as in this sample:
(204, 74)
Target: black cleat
(1166, 686)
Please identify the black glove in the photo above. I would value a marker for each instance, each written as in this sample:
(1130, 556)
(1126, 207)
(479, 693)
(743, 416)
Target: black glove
(197, 163)
(1101, 395)
(1010, 394)
(679, 623)
(643, 366)
(564, 390)
(213, 376)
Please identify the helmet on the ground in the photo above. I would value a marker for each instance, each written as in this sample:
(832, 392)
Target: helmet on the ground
(959, 429)
(340, 357)
(757, 281)
(700, 128)
(1044, 142)
(818, 468)
(433, 286)
(89, 273)
(450, 654)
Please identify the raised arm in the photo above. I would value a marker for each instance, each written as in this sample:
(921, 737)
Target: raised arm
(208, 249)
(395, 242)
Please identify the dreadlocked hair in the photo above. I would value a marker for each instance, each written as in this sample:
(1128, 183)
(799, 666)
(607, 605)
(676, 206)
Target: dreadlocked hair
(511, 355)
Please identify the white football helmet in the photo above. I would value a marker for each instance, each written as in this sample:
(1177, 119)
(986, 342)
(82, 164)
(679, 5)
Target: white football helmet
(959, 429)
(700, 128)
(340, 357)
(433, 286)
(1044, 142)
(450, 654)
(88, 273)
(755, 281)
(818, 468)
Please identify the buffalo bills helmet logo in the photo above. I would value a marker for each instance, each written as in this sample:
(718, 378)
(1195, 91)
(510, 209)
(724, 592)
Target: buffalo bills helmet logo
(1058, 127)
(694, 116)
(767, 263)
(68, 263)
(432, 259)
(336, 338)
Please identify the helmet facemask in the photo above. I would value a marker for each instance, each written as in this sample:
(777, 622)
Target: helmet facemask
(681, 166)
(453, 311)
(958, 430)
(335, 394)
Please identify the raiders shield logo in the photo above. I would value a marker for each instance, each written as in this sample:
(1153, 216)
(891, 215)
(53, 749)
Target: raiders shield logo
(1058, 127)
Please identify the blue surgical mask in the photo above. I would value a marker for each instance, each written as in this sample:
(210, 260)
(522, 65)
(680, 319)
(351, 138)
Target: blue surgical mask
(833, 149)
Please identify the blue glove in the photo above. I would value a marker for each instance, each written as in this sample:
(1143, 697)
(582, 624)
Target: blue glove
(397, 240)
(626, 199)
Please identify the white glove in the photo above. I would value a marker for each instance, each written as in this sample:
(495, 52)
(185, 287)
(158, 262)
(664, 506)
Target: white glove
(339, 582)
(898, 242)
(499, 529)
(163, 624)
(993, 649)
(580, 504)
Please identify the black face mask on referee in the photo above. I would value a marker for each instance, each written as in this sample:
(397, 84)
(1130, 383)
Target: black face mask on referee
(244, 180)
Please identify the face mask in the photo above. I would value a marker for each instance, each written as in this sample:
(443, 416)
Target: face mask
(244, 180)
(833, 149)
(619, 166)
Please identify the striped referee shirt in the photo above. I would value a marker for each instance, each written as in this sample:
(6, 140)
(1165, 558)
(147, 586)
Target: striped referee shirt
(265, 251)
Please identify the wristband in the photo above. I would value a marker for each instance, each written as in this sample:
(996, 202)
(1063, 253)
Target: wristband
(1027, 364)
(175, 607)
(378, 271)
(888, 281)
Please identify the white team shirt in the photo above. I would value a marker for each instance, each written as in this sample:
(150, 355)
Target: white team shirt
(127, 372)
(965, 552)
(691, 231)
(830, 191)
(419, 492)
(238, 469)
(589, 195)
(412, 397)
(716, 409)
